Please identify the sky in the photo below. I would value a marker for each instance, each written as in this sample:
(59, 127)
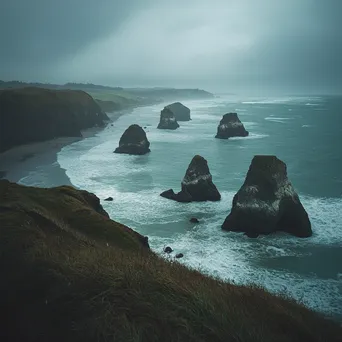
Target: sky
(291, 46)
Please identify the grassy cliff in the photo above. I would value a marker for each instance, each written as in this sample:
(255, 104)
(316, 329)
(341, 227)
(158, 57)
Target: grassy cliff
(69, 273)
(36, 114)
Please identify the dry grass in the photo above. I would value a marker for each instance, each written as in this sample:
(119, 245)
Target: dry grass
(62, 282)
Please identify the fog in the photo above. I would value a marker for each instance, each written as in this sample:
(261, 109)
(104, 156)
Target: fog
(292, 46)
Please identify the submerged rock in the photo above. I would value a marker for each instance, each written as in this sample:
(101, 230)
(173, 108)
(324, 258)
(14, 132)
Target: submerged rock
(197, 184)
(194, 220)
(181, 112)
(109, 199)
(230, 126)
(179, 255)
(267, 202)
(133, 141)
(167, 120)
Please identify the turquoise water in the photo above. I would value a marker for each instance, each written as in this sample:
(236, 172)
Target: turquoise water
(305, 132)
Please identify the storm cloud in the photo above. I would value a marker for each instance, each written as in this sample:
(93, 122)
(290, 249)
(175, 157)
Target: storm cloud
(218, 44)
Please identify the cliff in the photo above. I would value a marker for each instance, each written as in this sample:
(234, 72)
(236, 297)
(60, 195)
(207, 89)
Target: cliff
(69, 273)
(35, 114)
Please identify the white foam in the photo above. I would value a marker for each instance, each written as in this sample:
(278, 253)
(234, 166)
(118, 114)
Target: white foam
(251, 136)
(91, 165)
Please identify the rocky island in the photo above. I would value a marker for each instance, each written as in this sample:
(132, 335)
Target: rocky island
(133, 141)
(231, 126)
(267, 202)
(197, 184)
(167, 120)
(32, 114)
(181, 112)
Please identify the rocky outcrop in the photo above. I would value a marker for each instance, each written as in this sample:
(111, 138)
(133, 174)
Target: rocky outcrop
(267, 202)
(133, 141)
(230, 126)
(197, 184)
(167, 120)
(168, 250)
(181, 112)
(30, 115)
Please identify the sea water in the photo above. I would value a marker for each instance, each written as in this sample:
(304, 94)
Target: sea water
(304, 132)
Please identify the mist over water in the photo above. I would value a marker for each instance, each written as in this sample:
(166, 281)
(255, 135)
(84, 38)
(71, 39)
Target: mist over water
(304, 132)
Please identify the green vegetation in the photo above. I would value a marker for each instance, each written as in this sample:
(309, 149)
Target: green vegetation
(69, 273)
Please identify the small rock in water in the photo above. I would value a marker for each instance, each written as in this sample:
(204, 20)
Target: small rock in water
(112, 125)
(109, 199)
(168, 250)
(194, 220)
(179, 255)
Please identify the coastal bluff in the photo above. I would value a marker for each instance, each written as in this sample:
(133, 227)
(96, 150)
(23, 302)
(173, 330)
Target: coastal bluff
(70, 273)
(31, 114)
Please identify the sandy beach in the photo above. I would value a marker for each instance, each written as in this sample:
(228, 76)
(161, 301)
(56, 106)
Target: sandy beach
(36, 164)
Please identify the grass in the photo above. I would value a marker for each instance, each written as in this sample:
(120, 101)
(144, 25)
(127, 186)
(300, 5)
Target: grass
(69, 273)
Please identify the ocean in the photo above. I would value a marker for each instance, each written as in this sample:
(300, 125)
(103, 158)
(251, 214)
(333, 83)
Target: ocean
(305, 132)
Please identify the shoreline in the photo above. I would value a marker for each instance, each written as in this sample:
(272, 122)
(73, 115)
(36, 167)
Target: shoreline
(37, 162)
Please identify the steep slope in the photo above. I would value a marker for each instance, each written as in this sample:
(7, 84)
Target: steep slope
(69, 273)
(35, 114)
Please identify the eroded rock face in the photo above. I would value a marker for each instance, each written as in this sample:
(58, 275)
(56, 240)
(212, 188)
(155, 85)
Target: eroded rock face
(167, 120)
(133, 141)
(230, 126)
(267, 202)
(197, 184)
(181, 112)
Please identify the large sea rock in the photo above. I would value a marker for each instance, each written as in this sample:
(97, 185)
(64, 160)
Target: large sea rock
(267, 202)
(197, 184)
(181, 112)
(133, 141)
(230, 126)
(167, 120)
(33, 114)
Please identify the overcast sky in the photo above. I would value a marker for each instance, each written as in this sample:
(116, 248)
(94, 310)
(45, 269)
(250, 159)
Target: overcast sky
(229, 45)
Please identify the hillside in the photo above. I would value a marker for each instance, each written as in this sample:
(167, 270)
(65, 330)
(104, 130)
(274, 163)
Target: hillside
(35, 114)
(122, 98)
(69, 273)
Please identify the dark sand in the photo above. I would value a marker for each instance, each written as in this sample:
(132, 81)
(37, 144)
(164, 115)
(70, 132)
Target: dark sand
(36, 164)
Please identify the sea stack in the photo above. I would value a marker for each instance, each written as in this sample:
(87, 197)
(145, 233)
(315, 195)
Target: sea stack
(267, 202)
(197, 184)
(230, 126)
(181, 112)
(133, 141)
(167, 120)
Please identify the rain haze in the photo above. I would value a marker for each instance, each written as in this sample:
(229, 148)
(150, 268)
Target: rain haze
(219, 45)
